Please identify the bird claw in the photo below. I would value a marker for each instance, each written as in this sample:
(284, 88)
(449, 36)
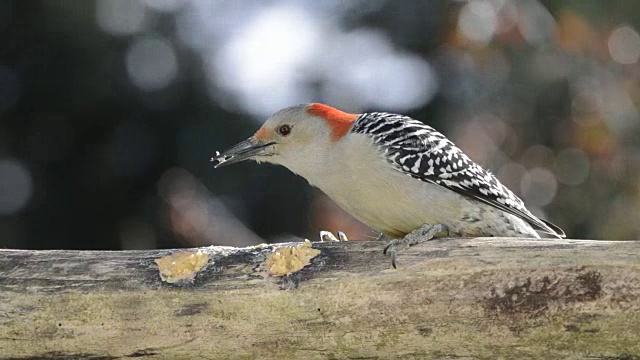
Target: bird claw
(393, 248)
(424, 233)
(328, 236)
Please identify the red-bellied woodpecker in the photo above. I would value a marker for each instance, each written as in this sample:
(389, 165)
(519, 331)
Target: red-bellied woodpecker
(393, 173)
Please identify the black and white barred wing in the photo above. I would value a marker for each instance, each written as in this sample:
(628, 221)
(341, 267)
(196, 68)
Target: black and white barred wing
(422, 152)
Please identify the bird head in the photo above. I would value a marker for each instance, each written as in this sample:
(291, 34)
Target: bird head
(291, 135)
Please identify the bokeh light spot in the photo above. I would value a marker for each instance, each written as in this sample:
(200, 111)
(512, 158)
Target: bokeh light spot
(538, 187)
(262, 64)
(478, 21)
(16, 187)
(376, 76)
(624, 45)
(176, 180)
(510, 174)
(398, 82)
(151, 63)
(537, 156)
(572, 166)
(120, 17)
(536, 24)
(168, 6)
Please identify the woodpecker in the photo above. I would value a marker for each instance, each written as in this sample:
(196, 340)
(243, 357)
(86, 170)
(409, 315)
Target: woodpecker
(394, 173)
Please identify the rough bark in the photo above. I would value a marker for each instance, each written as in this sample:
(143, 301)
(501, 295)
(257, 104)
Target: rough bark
(463, 298)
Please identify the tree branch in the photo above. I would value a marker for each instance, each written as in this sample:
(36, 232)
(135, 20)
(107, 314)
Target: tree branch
(477, 298)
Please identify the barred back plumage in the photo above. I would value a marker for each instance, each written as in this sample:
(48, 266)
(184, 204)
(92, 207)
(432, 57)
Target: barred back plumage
(424, 153)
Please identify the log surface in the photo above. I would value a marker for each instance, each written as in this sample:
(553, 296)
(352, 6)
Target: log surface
(462, 298)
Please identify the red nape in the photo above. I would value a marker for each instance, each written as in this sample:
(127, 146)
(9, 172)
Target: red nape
(339, 121)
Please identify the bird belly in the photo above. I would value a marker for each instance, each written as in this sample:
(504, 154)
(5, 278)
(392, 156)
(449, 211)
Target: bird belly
(395, 204)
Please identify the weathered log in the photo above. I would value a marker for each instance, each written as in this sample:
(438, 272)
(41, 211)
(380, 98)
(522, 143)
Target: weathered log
(463, 298)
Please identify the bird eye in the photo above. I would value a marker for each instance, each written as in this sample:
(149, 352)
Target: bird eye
(284, 130)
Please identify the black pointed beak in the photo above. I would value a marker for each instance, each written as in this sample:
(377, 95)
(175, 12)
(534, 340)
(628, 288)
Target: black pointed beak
(244, 150)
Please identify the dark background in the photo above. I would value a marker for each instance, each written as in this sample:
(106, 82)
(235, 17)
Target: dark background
(110, 110)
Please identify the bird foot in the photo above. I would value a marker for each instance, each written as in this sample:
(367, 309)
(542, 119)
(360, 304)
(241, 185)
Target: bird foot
(425, 233)
(328, 236)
